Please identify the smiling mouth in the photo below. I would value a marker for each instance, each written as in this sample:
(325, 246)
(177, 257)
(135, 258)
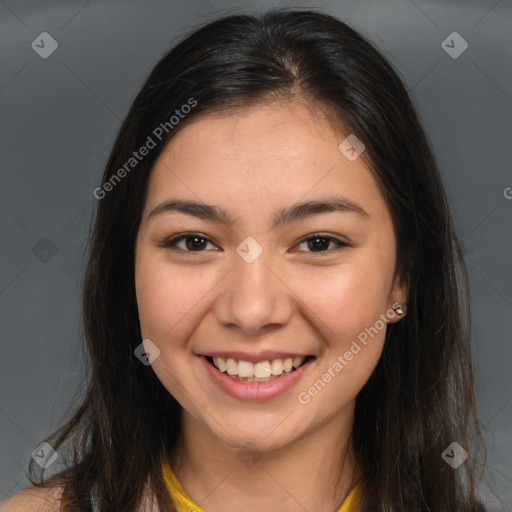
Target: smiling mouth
(262, 371)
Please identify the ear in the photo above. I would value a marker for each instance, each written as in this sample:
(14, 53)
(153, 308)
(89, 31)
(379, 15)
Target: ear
(397, 300)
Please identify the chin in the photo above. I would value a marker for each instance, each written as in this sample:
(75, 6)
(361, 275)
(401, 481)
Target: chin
(258, 435)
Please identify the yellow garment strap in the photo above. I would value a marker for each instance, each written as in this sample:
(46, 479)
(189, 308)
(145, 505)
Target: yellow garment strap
(184, 503)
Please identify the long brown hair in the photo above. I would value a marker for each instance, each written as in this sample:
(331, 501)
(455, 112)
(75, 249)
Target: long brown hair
(419, 399)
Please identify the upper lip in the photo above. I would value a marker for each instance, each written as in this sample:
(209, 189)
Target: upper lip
(265, 355)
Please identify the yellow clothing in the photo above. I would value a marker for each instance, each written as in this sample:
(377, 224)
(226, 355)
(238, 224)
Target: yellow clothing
(185, 503)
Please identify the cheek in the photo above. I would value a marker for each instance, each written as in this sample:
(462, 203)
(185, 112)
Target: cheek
(166, 293)
(167, 301)
(346, 305)
(346, 308)
(347, 299)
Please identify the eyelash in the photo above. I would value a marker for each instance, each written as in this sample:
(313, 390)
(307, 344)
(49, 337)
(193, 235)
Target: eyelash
(171, 243)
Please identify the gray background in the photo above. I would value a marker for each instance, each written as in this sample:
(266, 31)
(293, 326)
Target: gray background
(59, 117)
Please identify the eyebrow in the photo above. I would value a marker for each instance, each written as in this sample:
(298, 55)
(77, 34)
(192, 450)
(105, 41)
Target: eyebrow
(282, 217)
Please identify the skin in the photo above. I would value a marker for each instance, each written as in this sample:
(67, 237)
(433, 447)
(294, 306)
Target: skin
(252, 162)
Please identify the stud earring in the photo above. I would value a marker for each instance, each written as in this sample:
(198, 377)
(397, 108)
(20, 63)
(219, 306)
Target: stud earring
(399, 310)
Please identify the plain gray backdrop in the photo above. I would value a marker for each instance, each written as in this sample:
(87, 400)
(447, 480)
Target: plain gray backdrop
(59, 117)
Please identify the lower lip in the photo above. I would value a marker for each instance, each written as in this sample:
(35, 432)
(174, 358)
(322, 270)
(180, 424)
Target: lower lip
(255, 390)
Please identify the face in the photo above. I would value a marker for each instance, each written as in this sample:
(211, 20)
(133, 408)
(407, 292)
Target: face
(269, 316)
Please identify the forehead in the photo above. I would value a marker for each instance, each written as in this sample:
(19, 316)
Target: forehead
(278, 152)
(279, 128)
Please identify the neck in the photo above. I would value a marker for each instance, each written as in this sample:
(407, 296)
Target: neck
(314, 472)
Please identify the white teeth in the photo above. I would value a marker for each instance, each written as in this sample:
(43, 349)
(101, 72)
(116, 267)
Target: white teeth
(245, 369)
(297, 361)
(261, 370)
(221, 364)
(231, 367)
(276, 367)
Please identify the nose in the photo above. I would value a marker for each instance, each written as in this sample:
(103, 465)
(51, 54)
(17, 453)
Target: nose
(253, 298)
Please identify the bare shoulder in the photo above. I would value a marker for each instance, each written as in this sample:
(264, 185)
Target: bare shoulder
(33, 499)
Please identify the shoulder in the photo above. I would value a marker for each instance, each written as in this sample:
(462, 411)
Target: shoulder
(33, 499)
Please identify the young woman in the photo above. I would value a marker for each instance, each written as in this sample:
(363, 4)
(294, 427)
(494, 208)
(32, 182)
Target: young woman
(275, 303)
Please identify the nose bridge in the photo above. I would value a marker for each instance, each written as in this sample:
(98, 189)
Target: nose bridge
(253, 297)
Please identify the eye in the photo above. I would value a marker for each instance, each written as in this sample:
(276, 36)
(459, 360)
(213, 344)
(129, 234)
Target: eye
(320, 242)
(192, 242)
(196, 242)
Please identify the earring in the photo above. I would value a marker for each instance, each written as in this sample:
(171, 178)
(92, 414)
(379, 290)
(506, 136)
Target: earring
(399, 310)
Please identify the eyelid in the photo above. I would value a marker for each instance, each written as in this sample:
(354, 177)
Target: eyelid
(339, 242)
(321, 234)
(170, 243)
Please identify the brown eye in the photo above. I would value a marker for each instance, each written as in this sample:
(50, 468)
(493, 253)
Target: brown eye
(193, 242)
(320, 243)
